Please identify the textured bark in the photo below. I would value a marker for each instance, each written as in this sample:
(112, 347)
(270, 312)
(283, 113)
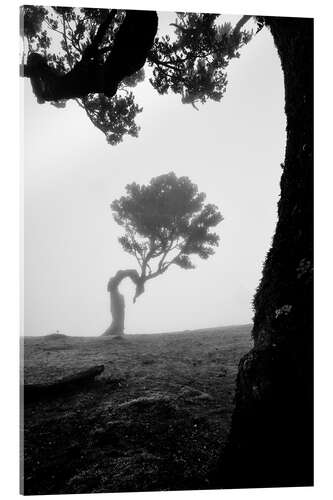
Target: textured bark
(271, 440)
(117, 301)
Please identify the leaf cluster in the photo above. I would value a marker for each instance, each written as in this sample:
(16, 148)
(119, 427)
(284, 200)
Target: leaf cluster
(64, 36)
(115, 116)
(193, 64)
(166, 222)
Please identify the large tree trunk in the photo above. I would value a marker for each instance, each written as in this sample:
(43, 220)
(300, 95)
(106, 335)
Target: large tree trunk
(117, 301)
(271, 440)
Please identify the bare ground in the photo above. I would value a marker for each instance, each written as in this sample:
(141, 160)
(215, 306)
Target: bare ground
(156, 419)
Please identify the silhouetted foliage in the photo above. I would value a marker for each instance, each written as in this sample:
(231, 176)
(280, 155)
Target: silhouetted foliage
(165, 223)
(113, 116)
(194, 64)
(75, 42)
(32, 21)
(94, 55)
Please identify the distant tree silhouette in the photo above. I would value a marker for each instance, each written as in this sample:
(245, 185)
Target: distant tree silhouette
(96, 55)
(165, 222)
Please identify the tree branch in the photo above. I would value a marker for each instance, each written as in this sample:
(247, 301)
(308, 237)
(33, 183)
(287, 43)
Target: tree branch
(156, 273)
(81, 104)
(243, 20)
(156, 61)
(92, 49)
(51, 28)
(178, 26)
(160, 264)
(72, 37)
(69, 56)
(136, 253)
(162, 267)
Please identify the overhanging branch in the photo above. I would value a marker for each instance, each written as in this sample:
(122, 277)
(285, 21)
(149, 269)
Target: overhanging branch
(243, 20)
(92, 49)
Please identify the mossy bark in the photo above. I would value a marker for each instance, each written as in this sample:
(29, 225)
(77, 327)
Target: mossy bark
(271, 439)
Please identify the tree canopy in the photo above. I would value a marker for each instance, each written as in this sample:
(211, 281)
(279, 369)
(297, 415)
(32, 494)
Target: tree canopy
(193, 64)
(96, 56)
(166, 222)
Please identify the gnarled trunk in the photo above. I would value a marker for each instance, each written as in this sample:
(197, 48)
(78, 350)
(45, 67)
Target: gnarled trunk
(49, 84)
(128, 54)
(271, 440)
(117, 301)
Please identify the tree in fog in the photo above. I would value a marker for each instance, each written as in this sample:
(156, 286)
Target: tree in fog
(165, 224)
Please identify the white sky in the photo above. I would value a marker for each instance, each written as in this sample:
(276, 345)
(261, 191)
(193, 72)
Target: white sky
(232, 150)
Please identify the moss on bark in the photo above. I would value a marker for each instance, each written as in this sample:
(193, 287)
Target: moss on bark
(271, 440)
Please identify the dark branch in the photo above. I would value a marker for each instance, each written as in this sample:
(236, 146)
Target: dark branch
(73, 40)
(156, 61)
(51, 27)
(69, 55)
(92, 50)
(243, 20)
(78, 380)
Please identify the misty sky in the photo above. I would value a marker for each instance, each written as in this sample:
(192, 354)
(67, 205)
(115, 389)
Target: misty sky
(232, 150)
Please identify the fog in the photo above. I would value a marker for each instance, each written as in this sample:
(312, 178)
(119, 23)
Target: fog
(232, 150)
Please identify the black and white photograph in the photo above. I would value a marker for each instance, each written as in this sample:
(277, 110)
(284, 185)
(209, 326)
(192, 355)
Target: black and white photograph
(167, 277)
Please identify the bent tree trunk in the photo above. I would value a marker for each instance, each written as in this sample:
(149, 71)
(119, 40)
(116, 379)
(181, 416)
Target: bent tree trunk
(271, 439)
(117, 301)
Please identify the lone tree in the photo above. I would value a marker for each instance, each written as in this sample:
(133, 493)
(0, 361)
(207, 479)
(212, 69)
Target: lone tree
(165, 223)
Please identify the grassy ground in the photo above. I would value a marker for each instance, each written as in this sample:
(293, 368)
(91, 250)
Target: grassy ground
(156, 419)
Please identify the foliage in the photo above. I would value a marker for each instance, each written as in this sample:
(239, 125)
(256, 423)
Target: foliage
(165, 223)
(33, 17)
(63, 35)
(193, 65)
(114, 116)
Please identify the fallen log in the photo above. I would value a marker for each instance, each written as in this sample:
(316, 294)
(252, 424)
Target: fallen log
(75, 381)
